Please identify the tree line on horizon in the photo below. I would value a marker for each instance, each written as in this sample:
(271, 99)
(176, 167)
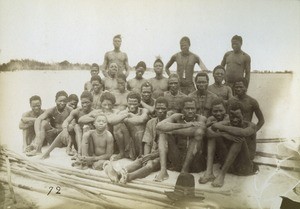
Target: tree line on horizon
(28, 64)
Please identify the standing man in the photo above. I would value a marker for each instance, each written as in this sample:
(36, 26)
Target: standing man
(116, 56)
(202, 96)
(186, 61)
(237, 62)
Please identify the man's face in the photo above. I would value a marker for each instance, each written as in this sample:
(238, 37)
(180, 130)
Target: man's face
(100, 123)
(173, 85)
(117, 43)
(61, 102)
(106, 105)
(201, 83)
(184, 46)
(113, 69)
(158, 68)
(96, 86)
(236, 45)
(219, 75)
(146, 93)
(189, 110)
(73, 104)
(218, 111)
(133, 105)
(139, 72)
(161, 110)
(121, 85)
(36, 106)
(94, 71)
(240, 89)
(236, 117)
(86, 104)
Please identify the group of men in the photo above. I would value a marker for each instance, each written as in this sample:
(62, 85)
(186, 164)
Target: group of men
(178, 123)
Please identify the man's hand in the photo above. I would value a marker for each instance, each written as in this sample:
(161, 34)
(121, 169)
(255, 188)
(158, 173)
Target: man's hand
(232, 138)
(86, 159)
(65, 134)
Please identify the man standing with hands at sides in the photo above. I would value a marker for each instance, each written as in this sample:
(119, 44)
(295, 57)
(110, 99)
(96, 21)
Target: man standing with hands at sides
(186, 61)
(237, 63)
(116, 56)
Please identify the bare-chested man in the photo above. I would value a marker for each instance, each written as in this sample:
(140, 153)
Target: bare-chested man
(49, 124)
(202, 96)
(149, 162)
(146, 94)
(159, 82)
(174, 95)
(180, 138)
(218, 88)
(94, 71)
(238, 137)
(97, 145)
(28, 119)
(135, 83)
(186, 61)
(110, 81)
(64, 139)
(116, 56)
(237, 62)
(96, 91)
(121, 93)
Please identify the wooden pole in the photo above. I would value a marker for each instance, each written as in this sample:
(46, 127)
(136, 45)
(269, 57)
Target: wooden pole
(9, 180)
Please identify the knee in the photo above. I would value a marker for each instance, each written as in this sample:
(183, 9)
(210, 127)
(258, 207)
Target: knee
(44, 124)
(150, 164)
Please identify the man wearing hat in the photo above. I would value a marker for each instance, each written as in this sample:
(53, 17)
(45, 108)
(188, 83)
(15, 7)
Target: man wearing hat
(186, 61)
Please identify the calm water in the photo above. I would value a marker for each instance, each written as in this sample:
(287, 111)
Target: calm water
(273, 92)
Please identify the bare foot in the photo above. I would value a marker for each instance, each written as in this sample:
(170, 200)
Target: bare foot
(206, 178)
(109, 170)
(124, 176)
(116, 157)
(33, 153)
(29, 148)
(70, 151)
(219, 181)
(161, 176)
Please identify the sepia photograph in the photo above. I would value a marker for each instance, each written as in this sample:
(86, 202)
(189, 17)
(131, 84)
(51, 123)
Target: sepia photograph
(127, 104)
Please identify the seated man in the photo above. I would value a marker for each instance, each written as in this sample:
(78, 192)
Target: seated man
(238, 136)
(146, 97)
(97, 145)
(73, 101)
(49, 124)
(135, 83)
(159, 82)
(149, 162)
(121, 93)
(28, 119)
(97, 89)
(94, 71)
(70, 124)
(110, 82)
(180, 138)
(134, 124)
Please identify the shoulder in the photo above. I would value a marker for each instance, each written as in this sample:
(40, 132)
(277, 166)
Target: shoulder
(253, 101)
(211, 94)
(247, 56)
(194, 55)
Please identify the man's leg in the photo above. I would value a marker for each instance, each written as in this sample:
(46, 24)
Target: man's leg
(232, 154)
(163, 151)
(122, 138)
(45, 126)
(58, 142)
(98, 165)
(151, 166)
(78, 138)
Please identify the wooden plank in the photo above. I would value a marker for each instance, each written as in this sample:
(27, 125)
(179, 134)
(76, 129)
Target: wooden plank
(281, 164)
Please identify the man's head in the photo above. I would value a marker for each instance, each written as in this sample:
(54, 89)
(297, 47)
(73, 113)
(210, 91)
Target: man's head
(117, 41)
(201, 81)
(161, 108)
(188, 105)
(236, 43)
(107, 100)
(158, 66)
(146, 91)
(61, 99)
(185, 44)
(121, 80)
(219, 74)
(96, 83)
(173, 83)
(35, 103)
(218, 109)
(240, 87)
(73, 101)
(113, 69)
(140, 68)
(236, 111)
(94, 69)
(100, 122)
(86, 99)
(133, 101)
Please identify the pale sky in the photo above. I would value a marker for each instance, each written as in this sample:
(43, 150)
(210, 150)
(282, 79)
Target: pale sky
(82, 31)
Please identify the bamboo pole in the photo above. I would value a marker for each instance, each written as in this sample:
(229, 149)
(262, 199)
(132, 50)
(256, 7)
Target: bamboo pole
(9, 180)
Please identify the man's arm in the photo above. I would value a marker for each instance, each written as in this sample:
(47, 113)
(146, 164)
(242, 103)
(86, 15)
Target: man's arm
(223, 63)
(38, 121)
(260, 117)
(88, 118)
(67, 121)
(26, 121)
(169, 124)
(104, 65)
(137, 120)
(201, 64)
(148, 139)
(247, 68)
(150, 108)
(114, 119)
(127, 68)
(169, 64)
(85, 143)
(236, 131)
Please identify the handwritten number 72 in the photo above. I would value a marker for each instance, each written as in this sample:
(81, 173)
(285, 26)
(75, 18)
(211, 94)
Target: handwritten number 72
(57, 190)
